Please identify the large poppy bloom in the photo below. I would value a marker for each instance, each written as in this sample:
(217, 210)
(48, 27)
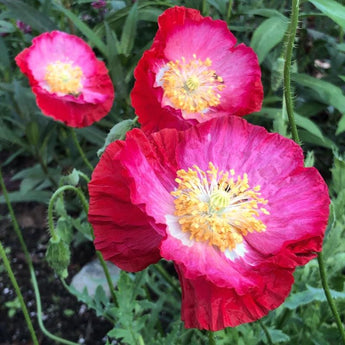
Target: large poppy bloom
(194, 72)
(231, 204)
(70, 83)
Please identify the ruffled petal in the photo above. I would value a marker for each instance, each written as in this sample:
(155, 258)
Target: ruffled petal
(95, 98)
(208, 306)
(122, 231)
(237, 68)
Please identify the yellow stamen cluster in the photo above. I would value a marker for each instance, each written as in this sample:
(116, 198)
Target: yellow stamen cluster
(216, 207)
(192, 86)
(63, 77)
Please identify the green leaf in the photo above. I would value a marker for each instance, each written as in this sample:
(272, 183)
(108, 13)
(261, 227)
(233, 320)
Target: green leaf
(308, 125)
(338, 172)
(91, 134)
(301, 121)
(129, 31)
(269, 33)
(29, 15)
(310, 159)
(341, 126)
(34, 195)
(310, 295)
(310, 138)
(84, 29)
(72, 178)
(4, 57)
(277, 336)
(118, 132)
(331, 9)
(264, 12)
(32, 133)
(325, 92)
(64, 229)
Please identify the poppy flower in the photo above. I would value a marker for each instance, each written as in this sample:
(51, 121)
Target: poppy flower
(229, 203)
(70, 83)
(193, 72)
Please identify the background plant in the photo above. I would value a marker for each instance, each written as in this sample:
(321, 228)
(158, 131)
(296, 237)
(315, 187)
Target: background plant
(145, 308)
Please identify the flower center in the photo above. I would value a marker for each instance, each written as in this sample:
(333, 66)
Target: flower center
(193, 86)
(63, 77)
(216, 207)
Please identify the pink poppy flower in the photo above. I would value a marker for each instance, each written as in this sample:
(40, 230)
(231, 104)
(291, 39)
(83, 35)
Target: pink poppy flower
(229, 203)
(193, 72)
(70, 83)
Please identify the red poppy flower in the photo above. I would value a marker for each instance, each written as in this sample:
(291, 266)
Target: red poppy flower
(231, 204)
(194, 72)
(70, 83)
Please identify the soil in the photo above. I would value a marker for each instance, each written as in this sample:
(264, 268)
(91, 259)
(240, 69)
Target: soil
(63, 315)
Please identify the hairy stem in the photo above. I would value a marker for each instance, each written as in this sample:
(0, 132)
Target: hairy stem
(228, 15)
(287, 69)
(31, 268)
(329, 297)
(268, 337)
(158, 267)
(19, 294)
(86, 210)
(80, 150)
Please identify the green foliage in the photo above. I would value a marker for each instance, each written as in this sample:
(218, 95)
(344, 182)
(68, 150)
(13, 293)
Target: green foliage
(12, 307)
(147, 310)
(270, 32)
(331, 9)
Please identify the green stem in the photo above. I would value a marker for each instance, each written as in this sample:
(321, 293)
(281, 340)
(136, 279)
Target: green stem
(31, 268)
(86, 210)
(205, 8)
(80, 150)
(39, 312)
(211, 339)
(228, 15)
(108, 277)
(84, 176)
(158, 267)
(14, 219)
(269, 339)
(287, 67)
(52, 202)
(329, 297)
(19, 294)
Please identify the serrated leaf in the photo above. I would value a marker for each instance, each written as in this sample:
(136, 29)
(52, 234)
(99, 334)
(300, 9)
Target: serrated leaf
(269, 33)
(331, 9)
(310, 295)
(83, 227)
(325, 92)
(63, 228)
